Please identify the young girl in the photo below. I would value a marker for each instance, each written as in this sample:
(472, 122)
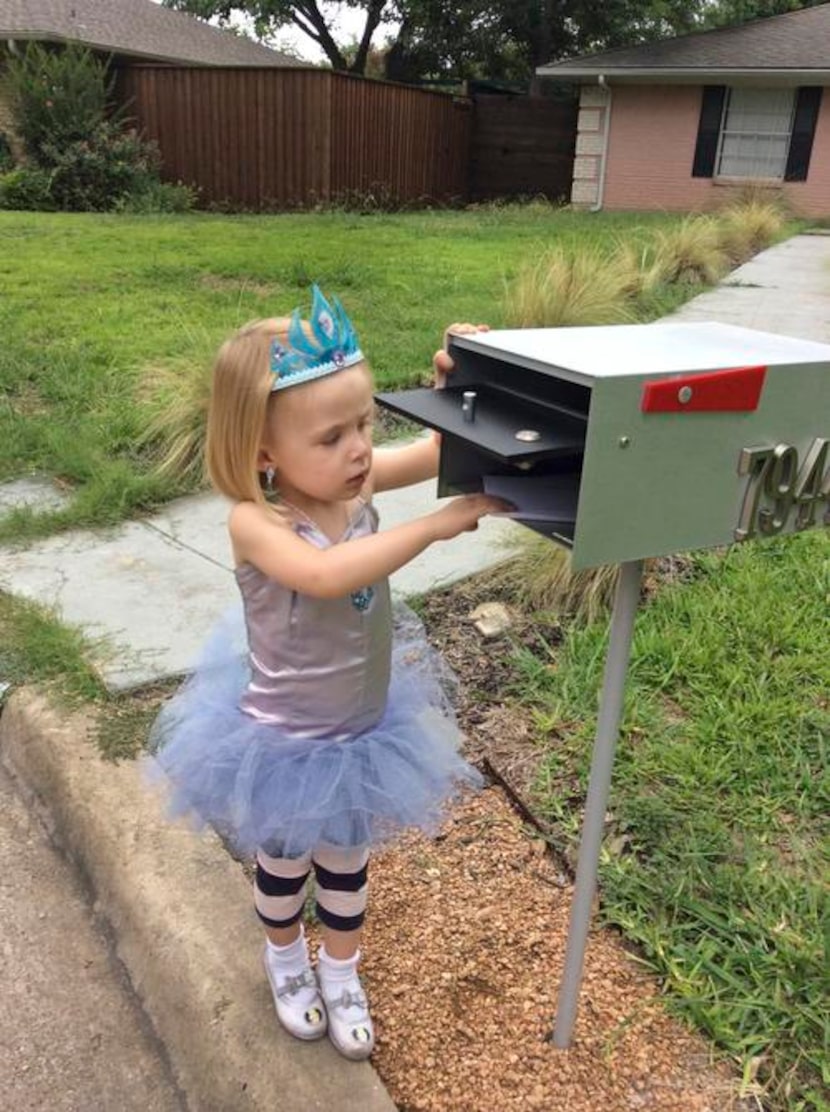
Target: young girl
(329, 735)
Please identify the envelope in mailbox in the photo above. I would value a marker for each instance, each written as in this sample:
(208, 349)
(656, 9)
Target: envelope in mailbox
(536, 497)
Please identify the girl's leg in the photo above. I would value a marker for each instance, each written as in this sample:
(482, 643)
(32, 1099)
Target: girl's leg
(279, 896)
(341, 876)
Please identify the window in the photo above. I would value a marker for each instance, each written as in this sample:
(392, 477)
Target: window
(755, 133)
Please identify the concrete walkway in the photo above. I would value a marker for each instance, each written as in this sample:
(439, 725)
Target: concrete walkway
(179, 907)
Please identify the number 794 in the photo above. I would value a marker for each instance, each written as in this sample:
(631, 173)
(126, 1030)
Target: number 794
(777, 486)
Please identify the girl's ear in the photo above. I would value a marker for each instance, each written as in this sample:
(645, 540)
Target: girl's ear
(264, 459)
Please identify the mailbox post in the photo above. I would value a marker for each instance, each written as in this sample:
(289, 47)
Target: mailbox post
(625, 442)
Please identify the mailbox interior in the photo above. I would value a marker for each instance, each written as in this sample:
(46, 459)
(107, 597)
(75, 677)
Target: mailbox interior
(509, 400)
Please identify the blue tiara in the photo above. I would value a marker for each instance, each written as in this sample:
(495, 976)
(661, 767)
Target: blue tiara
(331, 347)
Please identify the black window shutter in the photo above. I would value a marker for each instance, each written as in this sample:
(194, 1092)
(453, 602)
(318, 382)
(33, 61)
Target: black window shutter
(807, 105)
(708, 131)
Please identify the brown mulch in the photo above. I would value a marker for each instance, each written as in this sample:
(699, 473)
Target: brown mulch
(465, 940)
(464, 947)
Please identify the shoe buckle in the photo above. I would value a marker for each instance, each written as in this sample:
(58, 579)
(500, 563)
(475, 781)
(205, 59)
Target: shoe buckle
(292, 985)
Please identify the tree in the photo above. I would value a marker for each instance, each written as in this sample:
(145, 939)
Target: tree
(726, 12)
(509, 40)
(269, 15)
(476, 38)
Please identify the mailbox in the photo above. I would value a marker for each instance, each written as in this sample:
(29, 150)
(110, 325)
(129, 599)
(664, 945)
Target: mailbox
(628, 441)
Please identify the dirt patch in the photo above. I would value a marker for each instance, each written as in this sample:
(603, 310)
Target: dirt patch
(464, 948)
(495, 729)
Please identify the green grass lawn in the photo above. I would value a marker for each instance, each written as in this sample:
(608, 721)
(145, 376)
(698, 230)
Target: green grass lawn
(718, 858)
(89, 304)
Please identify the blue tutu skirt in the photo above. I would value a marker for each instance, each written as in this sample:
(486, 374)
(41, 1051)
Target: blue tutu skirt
(259, 786)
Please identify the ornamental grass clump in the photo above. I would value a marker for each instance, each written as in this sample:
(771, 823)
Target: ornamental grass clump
(692, 252)
(640, 267)
(746, 228)
(179, 392)
(568, 288)
(540, 579)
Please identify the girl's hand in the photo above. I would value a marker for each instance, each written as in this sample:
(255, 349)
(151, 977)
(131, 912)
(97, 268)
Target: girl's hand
(442, 360)
(462, 514)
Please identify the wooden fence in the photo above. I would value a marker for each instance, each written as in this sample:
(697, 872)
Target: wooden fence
(279, 138)
(522, 146)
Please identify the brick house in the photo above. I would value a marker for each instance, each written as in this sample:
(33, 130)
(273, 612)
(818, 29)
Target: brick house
(682, 123)
(130, 32)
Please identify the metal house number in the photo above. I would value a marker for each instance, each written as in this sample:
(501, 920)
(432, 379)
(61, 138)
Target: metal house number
(780, 485)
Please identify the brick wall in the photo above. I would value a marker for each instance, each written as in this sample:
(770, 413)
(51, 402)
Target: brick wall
(653, 131)
(651, 147)
(812, 197)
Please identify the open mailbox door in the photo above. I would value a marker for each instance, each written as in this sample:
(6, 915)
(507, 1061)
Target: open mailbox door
(628, 441)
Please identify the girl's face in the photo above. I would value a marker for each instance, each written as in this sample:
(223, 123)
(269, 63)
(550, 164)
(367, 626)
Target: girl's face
(318, 437)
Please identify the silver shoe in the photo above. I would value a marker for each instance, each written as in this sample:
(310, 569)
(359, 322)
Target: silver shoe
(307, 1021)
(353, 1035)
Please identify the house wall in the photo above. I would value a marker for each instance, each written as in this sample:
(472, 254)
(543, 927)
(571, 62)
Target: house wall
(651, 144)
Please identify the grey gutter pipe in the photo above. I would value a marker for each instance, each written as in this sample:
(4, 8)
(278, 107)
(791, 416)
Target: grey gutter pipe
(597, 205)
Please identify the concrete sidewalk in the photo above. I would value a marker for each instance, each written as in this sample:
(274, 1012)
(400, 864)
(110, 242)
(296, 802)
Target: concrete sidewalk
(179, 906)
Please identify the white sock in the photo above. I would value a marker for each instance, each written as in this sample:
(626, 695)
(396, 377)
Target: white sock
(291, 961)
(338, 975)
(350, 1025)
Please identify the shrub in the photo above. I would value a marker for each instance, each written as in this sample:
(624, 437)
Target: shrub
(6, 154)
(159, 196)
(95, 173)
(60, 103)
(26, 188)
(57, 97)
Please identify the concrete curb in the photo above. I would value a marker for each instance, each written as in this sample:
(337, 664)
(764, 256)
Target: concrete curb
(180, 909)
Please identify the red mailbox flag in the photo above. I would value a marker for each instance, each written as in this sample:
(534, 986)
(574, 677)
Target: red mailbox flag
(737, 390)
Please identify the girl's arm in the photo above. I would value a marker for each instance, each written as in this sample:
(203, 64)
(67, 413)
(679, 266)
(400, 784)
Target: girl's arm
(271, 545)
(398, 467)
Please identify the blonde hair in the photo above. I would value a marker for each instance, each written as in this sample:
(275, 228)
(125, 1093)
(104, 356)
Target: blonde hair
(238, 409)
(239, 399)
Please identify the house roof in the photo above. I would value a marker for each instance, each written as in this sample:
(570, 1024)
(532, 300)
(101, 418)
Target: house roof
(786, 48)
(136, 28)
